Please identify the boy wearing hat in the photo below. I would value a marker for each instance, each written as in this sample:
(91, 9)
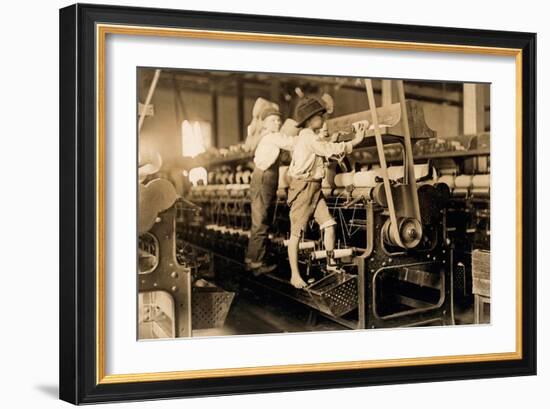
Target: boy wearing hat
(307, 170)
(263, 186)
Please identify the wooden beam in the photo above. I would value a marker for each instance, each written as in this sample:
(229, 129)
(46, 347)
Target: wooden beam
(275, 90)
(214, 107)
(386, 93)
(390, 119)
(149, 97)
(474, 109)
(240, 109)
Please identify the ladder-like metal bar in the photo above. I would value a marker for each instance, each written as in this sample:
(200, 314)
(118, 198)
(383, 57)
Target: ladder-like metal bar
(148, 98)
(383, 164)
(408, 173)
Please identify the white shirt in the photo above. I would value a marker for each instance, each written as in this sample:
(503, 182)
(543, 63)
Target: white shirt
(309, 151)
(269, 148)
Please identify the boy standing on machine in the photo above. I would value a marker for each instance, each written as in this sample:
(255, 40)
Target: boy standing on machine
(263, 187)
(307, 170)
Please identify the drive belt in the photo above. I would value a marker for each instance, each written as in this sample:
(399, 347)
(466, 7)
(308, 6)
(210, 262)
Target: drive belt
(383, 164)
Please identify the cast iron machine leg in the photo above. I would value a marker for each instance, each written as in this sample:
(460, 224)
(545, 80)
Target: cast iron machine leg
(169, 275)
(398, 226)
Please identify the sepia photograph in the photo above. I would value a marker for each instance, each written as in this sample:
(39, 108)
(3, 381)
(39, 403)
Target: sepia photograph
(281, 203)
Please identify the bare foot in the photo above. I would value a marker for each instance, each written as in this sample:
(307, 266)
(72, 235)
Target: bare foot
(297, 282)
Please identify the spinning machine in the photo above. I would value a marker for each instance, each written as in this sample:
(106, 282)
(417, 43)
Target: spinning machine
(393, 252)
(406, 219)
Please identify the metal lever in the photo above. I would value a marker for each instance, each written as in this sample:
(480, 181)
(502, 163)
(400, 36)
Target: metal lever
(409, 226)
(383, 165)
(410, 177)
(352, 202)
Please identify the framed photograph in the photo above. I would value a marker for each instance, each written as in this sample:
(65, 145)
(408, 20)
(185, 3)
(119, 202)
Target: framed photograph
(257, 203)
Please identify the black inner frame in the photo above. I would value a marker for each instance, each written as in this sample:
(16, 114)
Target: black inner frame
(77, 203)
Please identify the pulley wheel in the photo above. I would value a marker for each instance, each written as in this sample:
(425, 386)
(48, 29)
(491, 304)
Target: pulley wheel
(408, 229)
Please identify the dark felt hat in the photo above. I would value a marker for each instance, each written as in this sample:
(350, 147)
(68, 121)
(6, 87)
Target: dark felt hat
(306, 109)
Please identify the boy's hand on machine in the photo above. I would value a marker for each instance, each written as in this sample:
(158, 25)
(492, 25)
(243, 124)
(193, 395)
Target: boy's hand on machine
(335, 136)
(360, 131)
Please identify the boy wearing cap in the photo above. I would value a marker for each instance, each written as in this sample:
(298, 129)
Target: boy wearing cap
(307, 170)
(263, 187)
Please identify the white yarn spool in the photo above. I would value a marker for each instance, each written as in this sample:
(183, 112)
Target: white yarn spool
(246, 175)
(338, 253)
(482, 181)
(397, 172)
(239, 176)
(449, 180)
(303, 245)
(365, 179)
(463, 181)
(344, 179)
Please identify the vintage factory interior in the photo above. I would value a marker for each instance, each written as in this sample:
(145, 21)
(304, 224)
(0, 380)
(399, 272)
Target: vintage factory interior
(410, 202)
